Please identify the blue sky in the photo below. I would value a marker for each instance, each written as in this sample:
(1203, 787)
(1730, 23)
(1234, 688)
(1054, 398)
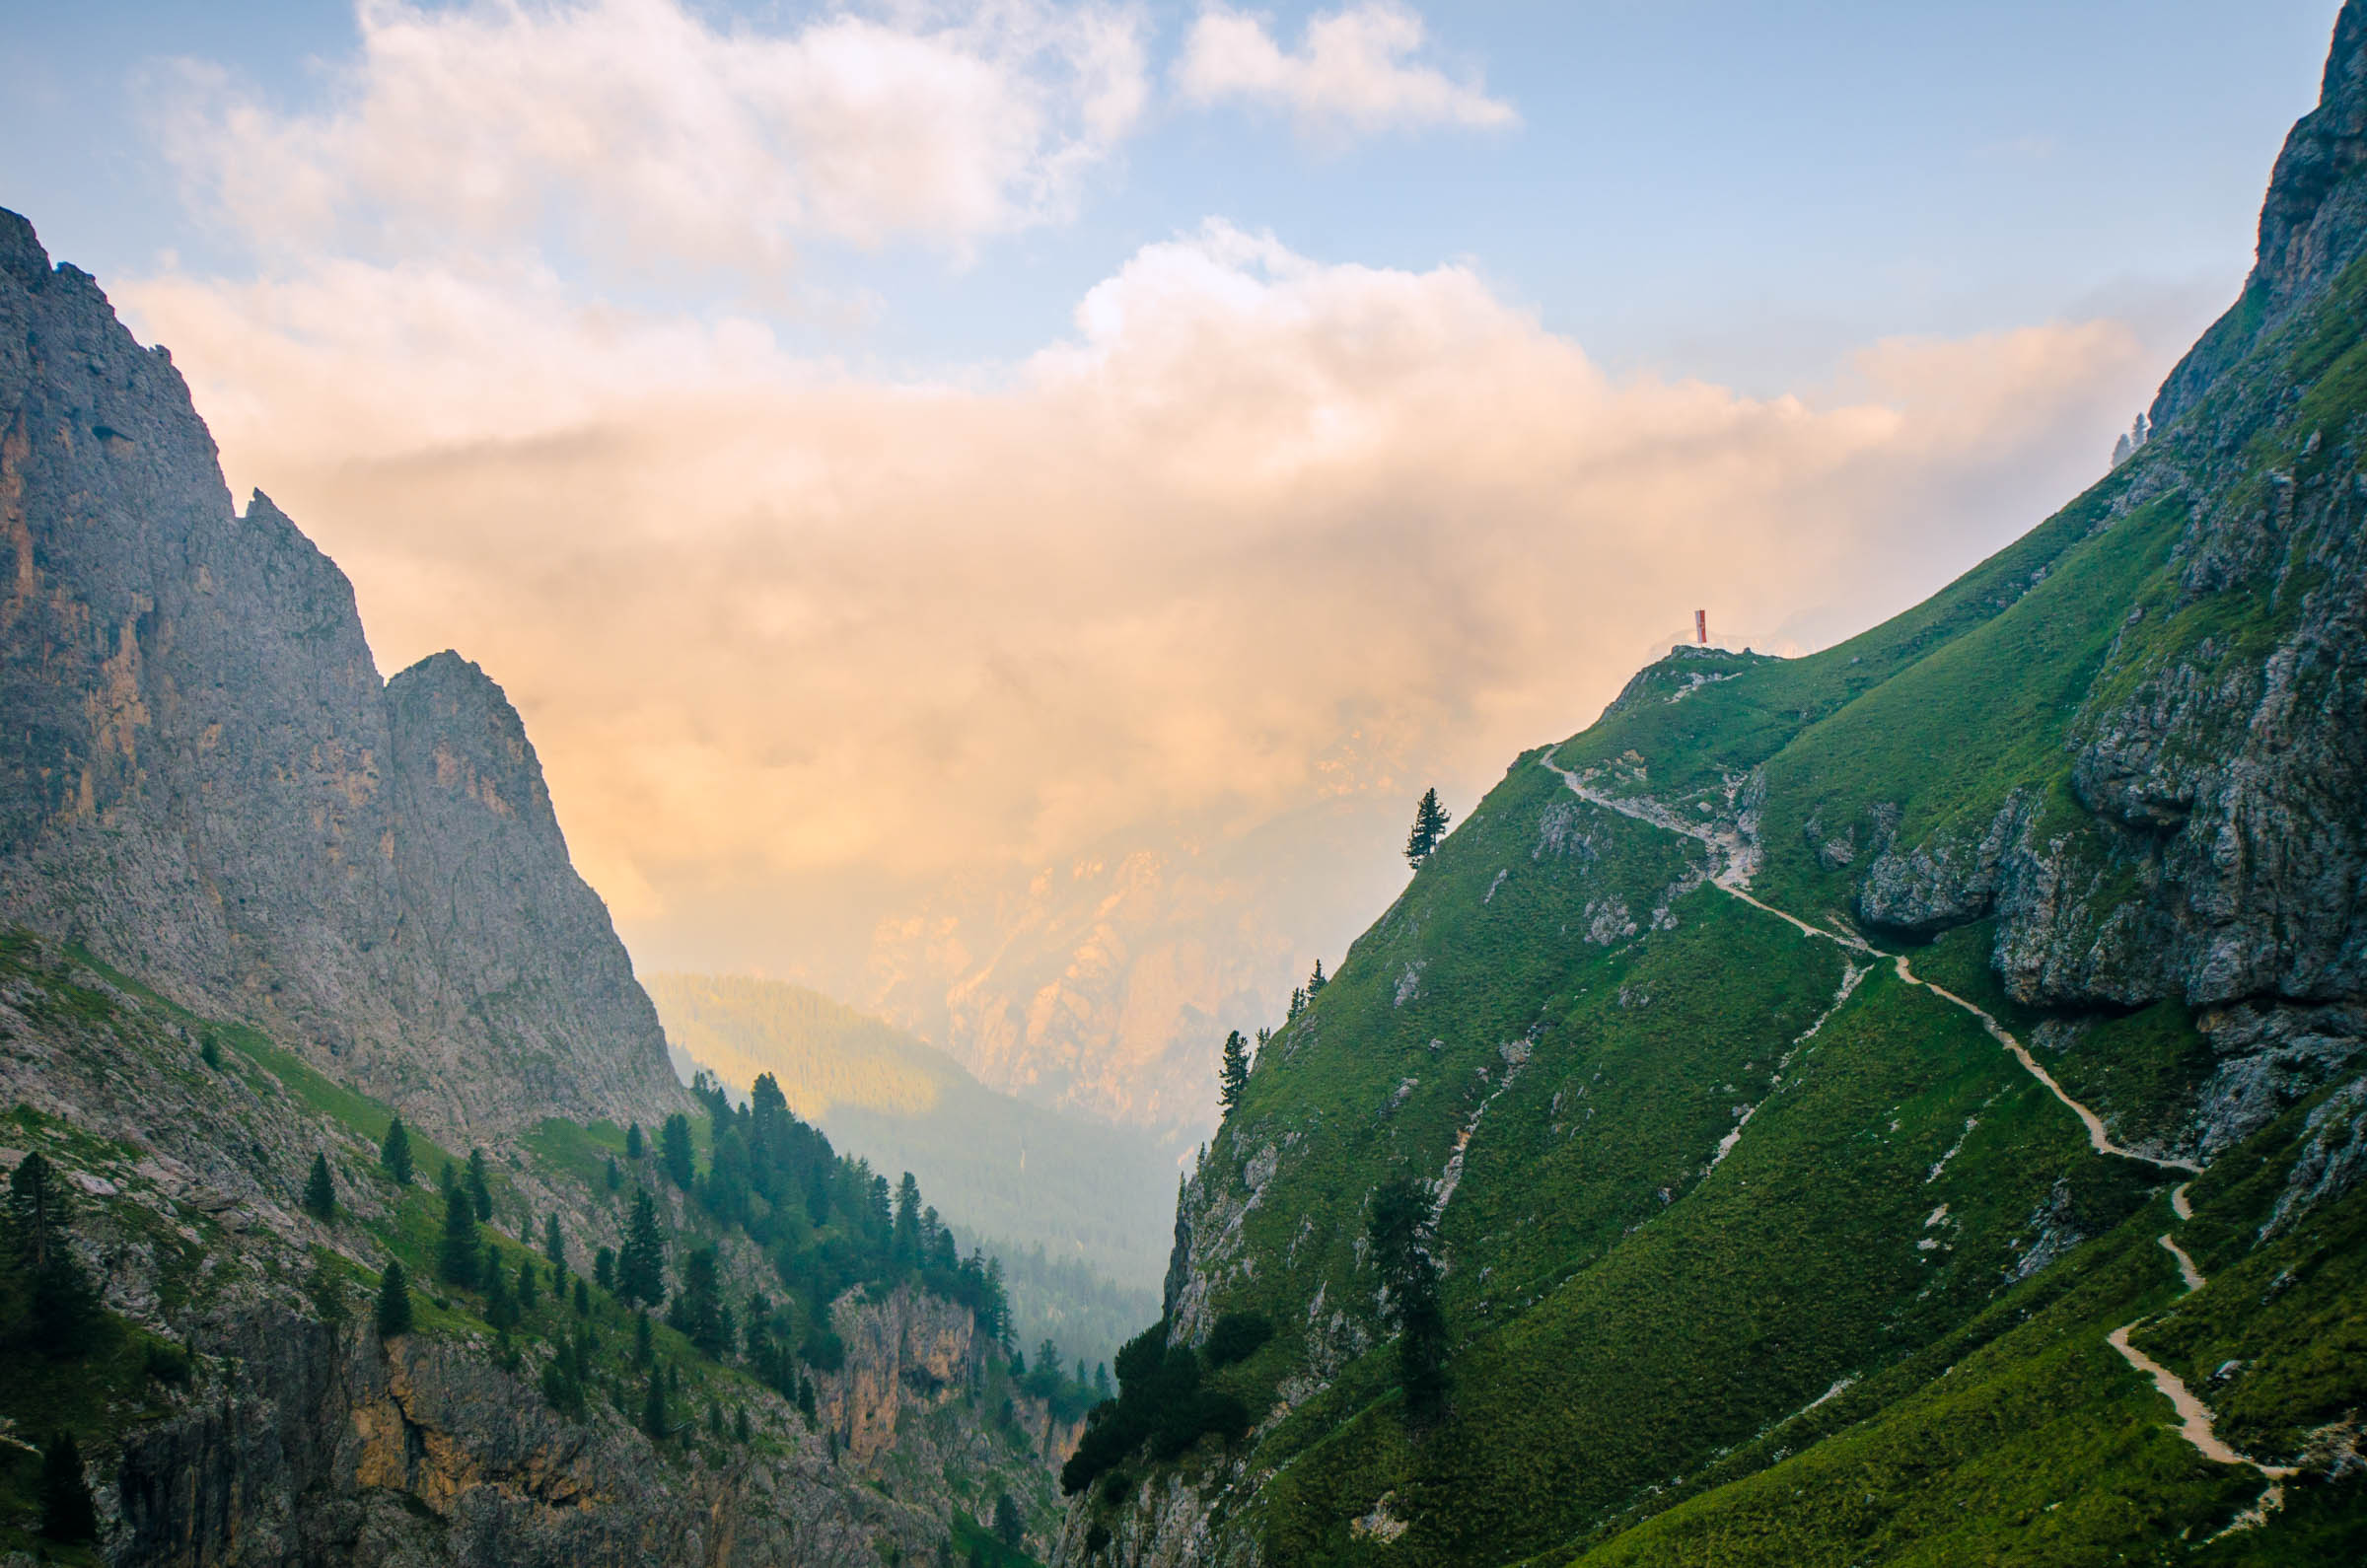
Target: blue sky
(1736, 190)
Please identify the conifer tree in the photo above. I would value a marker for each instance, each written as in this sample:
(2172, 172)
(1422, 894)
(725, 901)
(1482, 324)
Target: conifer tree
(461, 1253)
(632, 1141)
(641, 1266)
(395, 1153)
(394, 1302)
(699, 1304)
(480, 1192)
(554, 1246)
(583, 1298)
(320, 1193)
(676, 1152)
(739, 1429)
(65, 1307)
(603, 1267)
(1429, 826)
(1234, 1075)
(1399, 1239)
(652, 1407)
(644, 1340)
(67, 1513)
(501, 1308)
(209, 1051)
(616, 1177)
(904, 1242)
(1315, 982)
(526, 1286)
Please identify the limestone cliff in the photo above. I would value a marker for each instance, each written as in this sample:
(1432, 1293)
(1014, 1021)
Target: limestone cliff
(207, 783)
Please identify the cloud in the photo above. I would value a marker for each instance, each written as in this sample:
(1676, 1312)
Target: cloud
(1259, 530)
(636, 132)
(1353, 73)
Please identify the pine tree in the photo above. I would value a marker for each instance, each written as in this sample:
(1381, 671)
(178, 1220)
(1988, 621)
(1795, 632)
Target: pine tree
(701, 1304)
(526, 1286)
(583, 1298)
(1298, 1002)
(460, 1255)
(675, 1141)
(394, 1302)
(904, 1242)
(1007, 1526)
(1399, 1240)
(67, 1514)
(616, 1177)
(320, 1193)
(652, 1409)
(603, 1267)
(480, 1192)
(739, 1429)
(395, 1153)
(632, 1141)
(641, 1266)
(554, 1246)
(65, 1307)
(1429, 826)
(1234, 1076)
(1315, 982)
(209, 1051)
(501, 1310)
(644, 1340)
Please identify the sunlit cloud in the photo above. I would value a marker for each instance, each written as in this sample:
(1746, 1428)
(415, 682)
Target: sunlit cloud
(1356, 71)
(772, 621)
(639, 133)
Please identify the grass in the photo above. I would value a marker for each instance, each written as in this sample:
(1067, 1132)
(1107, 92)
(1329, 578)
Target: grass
(1875, 1331)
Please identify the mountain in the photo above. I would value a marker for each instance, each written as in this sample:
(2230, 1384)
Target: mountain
(1104, 985)
(207, 783)
(1021, 1178)
(255, 904)
(1904, 1104)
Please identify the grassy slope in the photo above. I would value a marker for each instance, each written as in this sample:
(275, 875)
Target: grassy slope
(1634, 1345)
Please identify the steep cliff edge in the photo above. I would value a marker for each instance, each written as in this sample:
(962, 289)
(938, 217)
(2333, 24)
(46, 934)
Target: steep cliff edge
(208, 784)
(1901, 1103)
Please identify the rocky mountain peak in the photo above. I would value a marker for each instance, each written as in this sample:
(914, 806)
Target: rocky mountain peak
(2312, 221)
(210, 787)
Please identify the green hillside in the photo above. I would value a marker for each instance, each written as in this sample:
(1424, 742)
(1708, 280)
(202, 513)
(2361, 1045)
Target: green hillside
(1076, 1210)
(1852, 1094)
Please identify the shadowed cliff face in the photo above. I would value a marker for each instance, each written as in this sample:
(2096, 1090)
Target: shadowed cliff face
(207, 783)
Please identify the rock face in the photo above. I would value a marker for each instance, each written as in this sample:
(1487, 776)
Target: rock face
(207, 784)
(2217, 752)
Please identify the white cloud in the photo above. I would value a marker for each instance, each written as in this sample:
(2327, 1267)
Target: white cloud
(635, 131)
(772, 622)
(1354, 72)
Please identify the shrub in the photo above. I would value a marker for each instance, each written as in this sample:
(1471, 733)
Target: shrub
(1237, 1336)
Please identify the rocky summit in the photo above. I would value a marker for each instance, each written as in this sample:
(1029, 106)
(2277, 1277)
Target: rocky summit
(354, 1210)
(1897, 1104)
(208, 782)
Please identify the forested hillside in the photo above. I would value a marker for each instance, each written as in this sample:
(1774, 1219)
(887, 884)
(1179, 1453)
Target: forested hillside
(1074, 1207)
(1898, 1104)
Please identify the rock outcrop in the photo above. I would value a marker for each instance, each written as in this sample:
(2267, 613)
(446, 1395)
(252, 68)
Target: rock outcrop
(207, 784)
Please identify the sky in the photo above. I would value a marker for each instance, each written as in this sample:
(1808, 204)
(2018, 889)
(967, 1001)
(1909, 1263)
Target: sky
(889, 443)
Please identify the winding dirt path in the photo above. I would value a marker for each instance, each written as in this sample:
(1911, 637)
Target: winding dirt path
(1731, 871)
